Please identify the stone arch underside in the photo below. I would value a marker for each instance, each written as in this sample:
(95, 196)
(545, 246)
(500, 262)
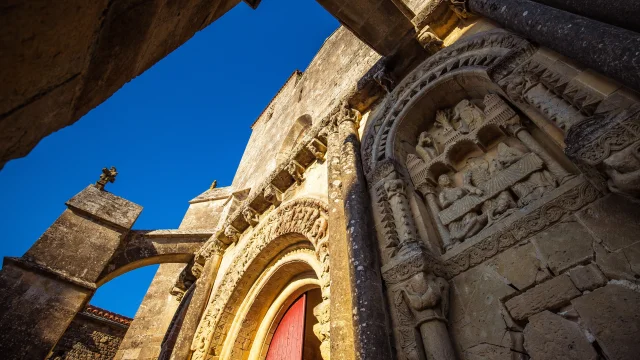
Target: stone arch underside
(142, 248)
(295, 226)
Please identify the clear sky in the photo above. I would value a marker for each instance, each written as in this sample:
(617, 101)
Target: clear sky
(170, 132)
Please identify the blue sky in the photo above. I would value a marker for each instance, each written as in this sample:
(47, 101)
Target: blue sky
(170, 132)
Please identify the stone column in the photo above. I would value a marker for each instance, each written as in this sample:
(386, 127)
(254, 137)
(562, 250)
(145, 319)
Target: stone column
(403, 219)
(429, 193)
(212, 256)
(554, 167)
(607, 49)
(358, 317)
(624, 14)
(42, 291)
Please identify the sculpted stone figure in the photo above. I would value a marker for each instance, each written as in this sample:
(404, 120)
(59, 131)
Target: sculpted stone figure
(251, 216)
(472, 222)
(231, 233)
(534, 186)
(623, 169)
(428, 299)
(443, 122)
(426, 148)
(448, 194)
(469, 115)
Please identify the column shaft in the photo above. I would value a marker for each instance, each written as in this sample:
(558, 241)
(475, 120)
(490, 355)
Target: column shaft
(608, 49)
(198, 303)
(620, 13)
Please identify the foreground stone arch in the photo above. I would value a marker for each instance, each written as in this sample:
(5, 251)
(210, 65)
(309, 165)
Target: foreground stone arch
(300, 223)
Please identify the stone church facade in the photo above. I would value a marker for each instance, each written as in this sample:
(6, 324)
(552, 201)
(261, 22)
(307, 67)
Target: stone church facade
(473, 195)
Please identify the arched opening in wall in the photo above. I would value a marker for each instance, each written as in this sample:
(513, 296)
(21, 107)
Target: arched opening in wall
(294, 135)
(98, 330)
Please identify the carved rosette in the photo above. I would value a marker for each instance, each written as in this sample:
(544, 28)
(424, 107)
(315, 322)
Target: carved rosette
(305, 217)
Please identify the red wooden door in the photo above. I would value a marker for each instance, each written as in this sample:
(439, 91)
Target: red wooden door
(288, 339)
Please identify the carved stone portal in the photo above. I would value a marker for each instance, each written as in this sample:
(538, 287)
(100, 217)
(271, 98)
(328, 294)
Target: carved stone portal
(476, 163)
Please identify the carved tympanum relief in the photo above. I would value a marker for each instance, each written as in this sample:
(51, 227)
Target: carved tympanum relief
(476, 163)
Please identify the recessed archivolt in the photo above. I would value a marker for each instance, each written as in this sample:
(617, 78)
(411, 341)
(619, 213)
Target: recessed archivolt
(298, 221)
(476, 54)
(294, 266)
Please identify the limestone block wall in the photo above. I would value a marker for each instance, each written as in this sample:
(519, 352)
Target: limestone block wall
(147, 330)
(570, 291)
(93, 334)
(334, 71)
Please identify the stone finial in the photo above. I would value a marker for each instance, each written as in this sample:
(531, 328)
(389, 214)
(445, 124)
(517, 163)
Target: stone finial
(214, 184)
(107, 176)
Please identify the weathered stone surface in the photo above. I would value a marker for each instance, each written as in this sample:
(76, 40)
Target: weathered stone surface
(153, 317)
(564, 245)
(623, 264)
(60, 59)
(614, 220)
(611, 315)
(605, 48)
(619, 13)
(106, 207)
(549, 337)
(520, 266)
(35, 311)
(549, 295)
(91, 336)
(587, 277)
(475, 314)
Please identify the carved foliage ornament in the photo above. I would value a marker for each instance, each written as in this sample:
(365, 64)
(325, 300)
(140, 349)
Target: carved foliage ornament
(299, 216)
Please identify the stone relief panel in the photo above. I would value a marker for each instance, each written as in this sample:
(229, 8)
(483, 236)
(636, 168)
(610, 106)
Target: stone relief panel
(306, 218)
(498, 195)
(478, 163)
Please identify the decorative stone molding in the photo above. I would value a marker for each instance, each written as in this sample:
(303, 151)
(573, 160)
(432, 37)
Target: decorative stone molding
(578, 194)
(482, 51)
(607, 146)
(306, 217)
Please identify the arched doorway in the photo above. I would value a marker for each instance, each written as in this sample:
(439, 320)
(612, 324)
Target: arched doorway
(293, 338)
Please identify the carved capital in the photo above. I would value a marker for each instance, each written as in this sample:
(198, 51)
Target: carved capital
(344, 113)
(428, 296)
(212, 247)
(384, 78)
